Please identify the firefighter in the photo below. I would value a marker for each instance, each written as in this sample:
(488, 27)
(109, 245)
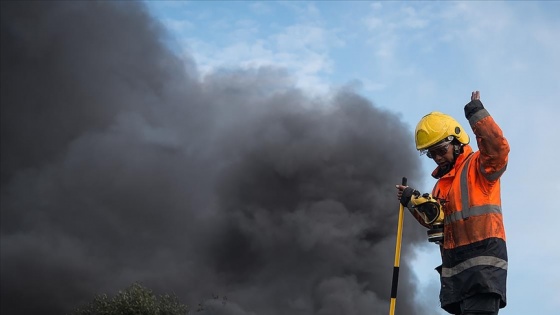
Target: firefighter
(474, 255)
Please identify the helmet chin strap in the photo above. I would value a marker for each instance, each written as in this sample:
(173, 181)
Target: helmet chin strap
(457, 150)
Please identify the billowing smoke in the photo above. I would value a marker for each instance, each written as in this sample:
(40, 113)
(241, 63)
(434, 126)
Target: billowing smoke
(120, 164)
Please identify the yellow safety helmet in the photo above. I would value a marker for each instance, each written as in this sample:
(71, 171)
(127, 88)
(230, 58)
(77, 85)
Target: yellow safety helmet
(436, 127)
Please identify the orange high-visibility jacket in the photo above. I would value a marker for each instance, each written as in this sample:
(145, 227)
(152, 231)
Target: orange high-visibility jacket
(474, 254)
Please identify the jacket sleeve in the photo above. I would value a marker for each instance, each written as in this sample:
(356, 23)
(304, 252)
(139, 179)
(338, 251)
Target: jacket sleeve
(492, 144)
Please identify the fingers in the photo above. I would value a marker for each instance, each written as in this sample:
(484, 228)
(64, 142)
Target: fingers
(475, 95)
(400, 189)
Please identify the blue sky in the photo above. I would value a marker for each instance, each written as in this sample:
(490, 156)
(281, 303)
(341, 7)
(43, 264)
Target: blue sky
(412, 58)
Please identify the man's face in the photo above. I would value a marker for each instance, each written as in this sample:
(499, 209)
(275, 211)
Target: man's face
(442, 154)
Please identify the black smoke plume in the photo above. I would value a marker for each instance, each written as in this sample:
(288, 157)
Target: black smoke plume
(120, 164)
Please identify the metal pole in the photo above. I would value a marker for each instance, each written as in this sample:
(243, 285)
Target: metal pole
(397, 257)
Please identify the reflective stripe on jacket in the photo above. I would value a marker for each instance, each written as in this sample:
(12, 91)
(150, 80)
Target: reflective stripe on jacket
(474, 254)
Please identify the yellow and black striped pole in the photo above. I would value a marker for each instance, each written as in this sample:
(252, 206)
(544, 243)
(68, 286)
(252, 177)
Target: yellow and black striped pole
(397, 258)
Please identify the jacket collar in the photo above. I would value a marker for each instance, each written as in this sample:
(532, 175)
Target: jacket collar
(467, 150)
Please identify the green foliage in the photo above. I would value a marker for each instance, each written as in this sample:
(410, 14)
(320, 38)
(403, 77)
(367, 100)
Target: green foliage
(135, 300)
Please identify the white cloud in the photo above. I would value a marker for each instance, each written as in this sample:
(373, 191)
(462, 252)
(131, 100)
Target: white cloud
(305, 37)
(177, 25)
(303, 49)
(307, 65)
(261, 8)
(376, 5)
(413, 19)
(306, 12)
(373, 22)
